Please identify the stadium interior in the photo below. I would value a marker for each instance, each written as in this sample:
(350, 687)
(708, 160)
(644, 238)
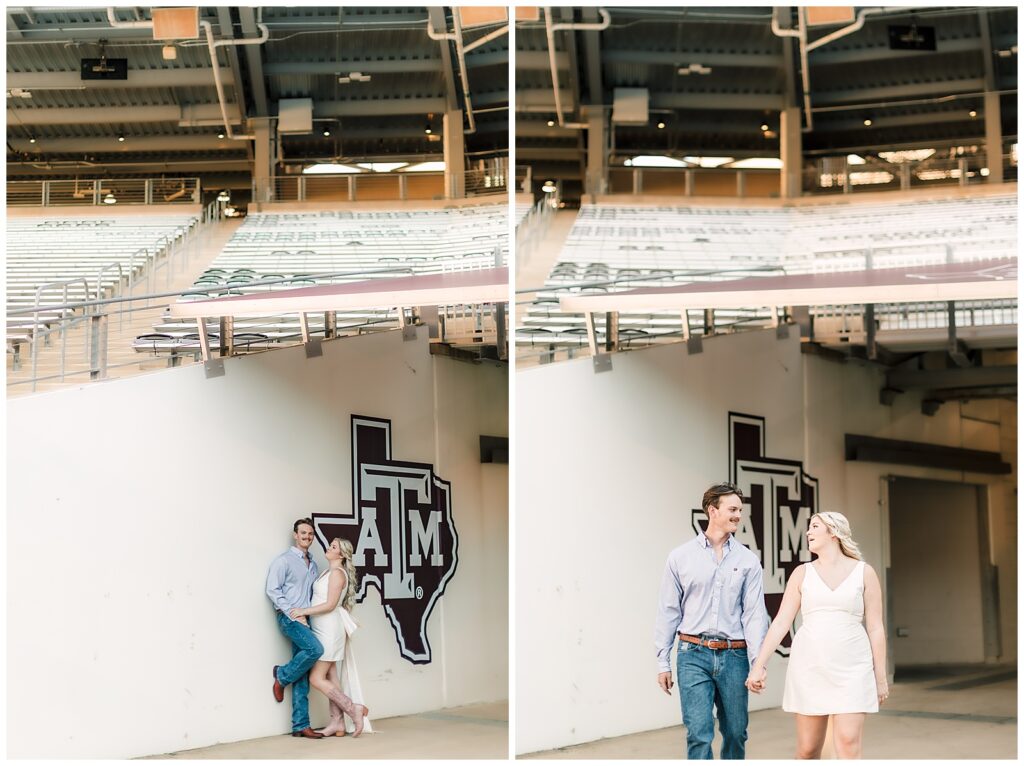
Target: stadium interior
(269, 149)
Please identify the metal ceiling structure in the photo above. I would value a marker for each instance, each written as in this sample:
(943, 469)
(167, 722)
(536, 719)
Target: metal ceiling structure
(169, 114)
(718, 79)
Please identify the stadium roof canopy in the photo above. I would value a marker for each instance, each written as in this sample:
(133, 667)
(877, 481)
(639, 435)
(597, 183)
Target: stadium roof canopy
(376, 78)
(716, 75)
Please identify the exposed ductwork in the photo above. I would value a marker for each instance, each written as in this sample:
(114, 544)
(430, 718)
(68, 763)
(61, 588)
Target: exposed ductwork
(551, 28)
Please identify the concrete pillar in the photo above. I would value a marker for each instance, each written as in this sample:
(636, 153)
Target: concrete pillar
(597, 151)
(741, 184)
(993, 138)
(263, 158)
(790, 153)
(454, 155)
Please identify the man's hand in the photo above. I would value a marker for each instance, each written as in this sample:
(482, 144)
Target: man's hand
(665, 682)
(756, 680)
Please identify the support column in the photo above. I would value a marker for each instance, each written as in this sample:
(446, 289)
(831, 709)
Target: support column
(454, 155)
(263, 158)
(993, 138)
(790, 152)
(597, 151)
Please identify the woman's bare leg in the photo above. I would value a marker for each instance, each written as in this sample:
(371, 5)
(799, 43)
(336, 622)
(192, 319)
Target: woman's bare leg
(319, 681)
(810, 735)
(848, 734)
(337, 724)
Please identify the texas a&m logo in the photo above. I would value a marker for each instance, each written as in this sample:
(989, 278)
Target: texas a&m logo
(779, 500)
(401, 529)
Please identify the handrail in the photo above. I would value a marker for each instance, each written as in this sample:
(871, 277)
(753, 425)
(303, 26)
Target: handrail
(35, 320)
(193, 290)
(99, 286)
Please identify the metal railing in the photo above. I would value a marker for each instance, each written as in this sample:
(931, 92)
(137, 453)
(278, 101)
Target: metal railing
(457, 323)
(531, 230)
(172, 256)
(103, 191)
(836, 175)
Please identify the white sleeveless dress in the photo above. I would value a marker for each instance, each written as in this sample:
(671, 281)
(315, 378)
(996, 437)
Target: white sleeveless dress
(334, 629)
(830, 665)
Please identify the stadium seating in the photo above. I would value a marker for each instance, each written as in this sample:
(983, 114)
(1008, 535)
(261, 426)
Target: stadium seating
(92, 256)
(295, 249)
(623, 247)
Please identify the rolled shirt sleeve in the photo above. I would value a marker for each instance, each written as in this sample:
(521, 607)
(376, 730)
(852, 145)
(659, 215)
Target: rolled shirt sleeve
(670, 614)
(755, 615)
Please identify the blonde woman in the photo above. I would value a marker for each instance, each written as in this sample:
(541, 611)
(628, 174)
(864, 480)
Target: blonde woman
(334, 594)
(837, 661)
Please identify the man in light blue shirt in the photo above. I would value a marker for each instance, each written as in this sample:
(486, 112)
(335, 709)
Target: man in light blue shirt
(712, 599)
(290, 586)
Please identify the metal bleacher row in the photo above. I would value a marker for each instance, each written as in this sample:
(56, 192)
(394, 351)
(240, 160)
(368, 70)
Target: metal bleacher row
(50, 259)
(620, 247)
(293, 249)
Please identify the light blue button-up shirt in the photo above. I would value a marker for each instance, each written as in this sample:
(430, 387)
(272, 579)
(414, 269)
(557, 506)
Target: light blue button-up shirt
(701, 595)
(290, 581)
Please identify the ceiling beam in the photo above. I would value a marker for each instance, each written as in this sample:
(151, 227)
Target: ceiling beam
(63, 169)
(379, 107)
(227, 31)
(951, 378)
(110, 145)
(254, 61)
(439, 24)
(189, 115)
(684, 58)
(829, 55)
(366, 66)
(542, 100)
(896, 92)
(744, 101)
(538, 60)
(592, 56)
(137, 78)
(829, 123)
(547, 153)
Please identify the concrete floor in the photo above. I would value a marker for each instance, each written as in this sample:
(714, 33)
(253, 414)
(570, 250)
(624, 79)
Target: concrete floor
(473, 731)
(933, 713)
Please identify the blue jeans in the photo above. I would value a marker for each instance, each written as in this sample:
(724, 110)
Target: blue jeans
(715, 677)
(306, 650)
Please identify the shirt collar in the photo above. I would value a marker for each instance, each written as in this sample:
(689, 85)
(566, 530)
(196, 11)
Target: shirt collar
(706, 543)
(298, 552)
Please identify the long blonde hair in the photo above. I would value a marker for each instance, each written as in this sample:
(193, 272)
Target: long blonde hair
(348, 600)
(839, 525)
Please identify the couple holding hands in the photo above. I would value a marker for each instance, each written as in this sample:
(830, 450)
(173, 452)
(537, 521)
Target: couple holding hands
(712, 599)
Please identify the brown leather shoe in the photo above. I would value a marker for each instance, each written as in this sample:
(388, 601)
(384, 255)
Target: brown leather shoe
(308, 733)
(278, 689)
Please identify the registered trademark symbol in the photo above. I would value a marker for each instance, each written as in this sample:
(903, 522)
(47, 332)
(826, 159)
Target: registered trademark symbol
(419, 592)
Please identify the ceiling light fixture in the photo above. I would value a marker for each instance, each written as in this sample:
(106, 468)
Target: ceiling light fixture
(973, 113)
(551, 123)
(427, 130)
(220, 134)
(110, 199)
(867, 122)
(326, 133)
(120, 138)
(31, 139)
(224, 196)
(693, 69)
(661, 126)
(764, 126)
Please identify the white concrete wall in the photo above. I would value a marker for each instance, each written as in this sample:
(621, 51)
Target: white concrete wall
(609, 465)
(142, 515)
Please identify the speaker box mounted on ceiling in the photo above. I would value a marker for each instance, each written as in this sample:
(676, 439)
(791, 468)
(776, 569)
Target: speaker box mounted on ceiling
(480, 15)
(817, 15)
(104, 69)
(294, 116)
(912, 38)
(629, 106)
(175, 23)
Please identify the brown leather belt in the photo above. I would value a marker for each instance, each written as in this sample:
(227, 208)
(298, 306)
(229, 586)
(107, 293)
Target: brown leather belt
(714, 643)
